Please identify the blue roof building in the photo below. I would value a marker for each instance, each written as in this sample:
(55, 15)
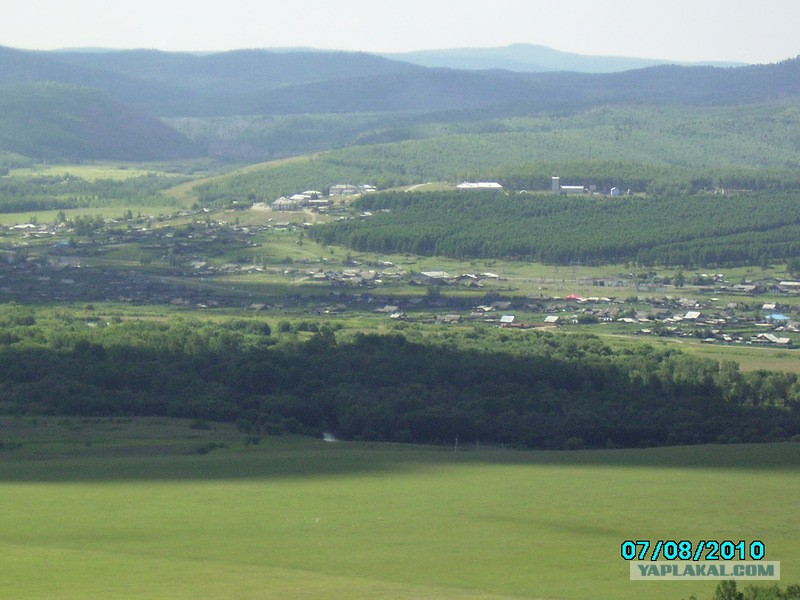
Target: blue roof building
(777, 317)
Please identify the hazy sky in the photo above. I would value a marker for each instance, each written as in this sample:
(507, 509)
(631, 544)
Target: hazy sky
(692, 30)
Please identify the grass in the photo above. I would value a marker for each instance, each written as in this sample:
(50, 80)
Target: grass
(750, 358)
(298, 518)
(89, 172)
(116, 209)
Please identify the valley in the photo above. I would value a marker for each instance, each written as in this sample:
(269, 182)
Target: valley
(206, 276)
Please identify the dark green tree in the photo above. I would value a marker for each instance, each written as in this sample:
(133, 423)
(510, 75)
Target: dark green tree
(726, 590)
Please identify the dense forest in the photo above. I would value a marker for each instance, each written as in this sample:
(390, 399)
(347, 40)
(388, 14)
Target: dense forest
(225, 84)
(687, 231)
(52, 121)
(535, 389)
(47, 192)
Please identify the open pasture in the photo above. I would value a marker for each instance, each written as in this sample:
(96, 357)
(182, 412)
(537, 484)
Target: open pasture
(168, 509)
(89, 171)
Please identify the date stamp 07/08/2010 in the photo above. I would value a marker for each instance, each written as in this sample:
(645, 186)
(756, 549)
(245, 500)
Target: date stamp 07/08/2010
(704, 559)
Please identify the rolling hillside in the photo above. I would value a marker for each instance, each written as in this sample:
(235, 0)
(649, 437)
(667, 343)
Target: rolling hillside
(185, 84)
(670, 145)
(53, 121)
(269, 82)
(257, 104)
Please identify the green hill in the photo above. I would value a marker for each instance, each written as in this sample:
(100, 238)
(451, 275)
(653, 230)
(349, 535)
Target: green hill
(257, 104)
(639, 147)
(272, 82)
(56, 121)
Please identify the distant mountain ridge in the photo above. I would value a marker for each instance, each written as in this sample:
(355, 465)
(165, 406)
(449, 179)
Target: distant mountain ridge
(144, 86)
(251, 82)
(530, 58)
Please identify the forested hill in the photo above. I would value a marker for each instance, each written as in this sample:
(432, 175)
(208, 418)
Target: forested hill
(269, 82)
(502, 93)
(50, 121)
(245, 102)
(185, 84)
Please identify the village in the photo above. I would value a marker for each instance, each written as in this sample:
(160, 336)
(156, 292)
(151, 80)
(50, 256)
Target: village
(195, 260)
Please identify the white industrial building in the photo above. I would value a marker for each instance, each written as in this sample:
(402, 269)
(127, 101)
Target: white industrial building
(479, 185)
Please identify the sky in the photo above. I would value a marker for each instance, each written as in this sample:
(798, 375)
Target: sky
(751, 31)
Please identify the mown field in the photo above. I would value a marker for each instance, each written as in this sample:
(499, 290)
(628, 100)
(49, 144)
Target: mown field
(163, 509)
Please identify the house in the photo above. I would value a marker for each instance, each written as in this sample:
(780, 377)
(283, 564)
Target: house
(507, 320)
(769, 338)
(551, 320)
(430, 278)
(449, 319)
(388, 309)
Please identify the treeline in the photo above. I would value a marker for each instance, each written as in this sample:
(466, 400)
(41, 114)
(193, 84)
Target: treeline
(9, 160)
(635, 177)
(533, 390)
(727, 590)
(56, 192)
(686, 231)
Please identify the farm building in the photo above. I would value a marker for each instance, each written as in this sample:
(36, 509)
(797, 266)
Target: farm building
(301, 199)
(346, 189)
(573, 189)
(284, 203)
(479, 185)
(557, 188)
(768, 338)
(776, 318)
(431, 278)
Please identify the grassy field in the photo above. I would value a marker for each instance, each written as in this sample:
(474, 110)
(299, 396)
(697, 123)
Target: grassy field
(750, 358)
(150, 509)
(89, 172)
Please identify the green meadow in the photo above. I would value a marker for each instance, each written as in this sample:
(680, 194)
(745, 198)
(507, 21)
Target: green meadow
(89, 172)
(153, 508)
